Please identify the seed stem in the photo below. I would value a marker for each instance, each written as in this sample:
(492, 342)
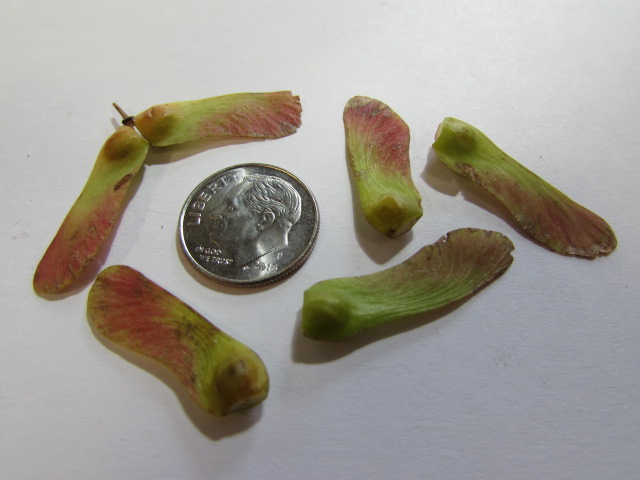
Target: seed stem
(126, 119)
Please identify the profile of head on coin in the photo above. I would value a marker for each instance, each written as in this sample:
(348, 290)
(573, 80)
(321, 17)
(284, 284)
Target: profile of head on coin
(255, 218)
(249, 225)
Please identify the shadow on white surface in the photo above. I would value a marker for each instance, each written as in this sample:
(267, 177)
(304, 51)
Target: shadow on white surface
(213, 427)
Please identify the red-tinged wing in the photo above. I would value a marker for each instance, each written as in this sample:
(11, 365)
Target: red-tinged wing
(220, 373)
(377, 141)
(93, 216)
(543, 211)
(252, 115)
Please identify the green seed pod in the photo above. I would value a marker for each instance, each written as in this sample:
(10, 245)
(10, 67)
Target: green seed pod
(378, 151)
(454, 267)
(253, 115)
(543, 211)
(93, 216)
(221, 374)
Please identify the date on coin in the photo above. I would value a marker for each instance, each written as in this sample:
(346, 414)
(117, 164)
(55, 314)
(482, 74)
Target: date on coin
(249, 225)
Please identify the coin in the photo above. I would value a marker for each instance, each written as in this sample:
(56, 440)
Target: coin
(249, 225)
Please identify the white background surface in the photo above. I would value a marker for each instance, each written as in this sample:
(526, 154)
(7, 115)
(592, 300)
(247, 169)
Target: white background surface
(536, 377)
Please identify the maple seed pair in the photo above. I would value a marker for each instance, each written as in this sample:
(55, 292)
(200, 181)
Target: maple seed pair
(92, 217)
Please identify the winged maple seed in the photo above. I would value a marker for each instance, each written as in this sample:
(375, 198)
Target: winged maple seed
(258, 115)
(543, 211)
(452, 268)
(378, 151)
(93, 215)
(221, 374)
(92, 218)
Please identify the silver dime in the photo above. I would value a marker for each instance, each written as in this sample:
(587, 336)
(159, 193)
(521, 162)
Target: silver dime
(249, 225)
